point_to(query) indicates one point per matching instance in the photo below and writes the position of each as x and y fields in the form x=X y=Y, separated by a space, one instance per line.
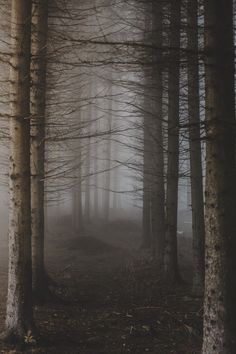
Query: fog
x=116 y=196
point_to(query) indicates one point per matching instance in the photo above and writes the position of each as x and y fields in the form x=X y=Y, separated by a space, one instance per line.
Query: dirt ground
x=110 y=298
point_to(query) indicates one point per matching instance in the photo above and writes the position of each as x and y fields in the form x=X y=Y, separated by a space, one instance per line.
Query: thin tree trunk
x=74 y=211
x=146 y=229
x=107 y=185
x=188 y=179
x=115 y=177
x=220 y=288
x=157 y=173
x=171 y=253
x=87 y=204
x=195 y=149
x=77 y=208
x=87 y=200
x=80 y=220
x=96 y=213
x=96 y=147
x=19 y=316
x=146 y=210
x=115 y=172
x=38 y=104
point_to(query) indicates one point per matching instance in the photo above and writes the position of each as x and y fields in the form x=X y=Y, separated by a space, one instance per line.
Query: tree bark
x=157 y=173
x=171 y=253
x=146 y=230
x=77 y=208
x=107 y=185
x=19 y=316
x=87 y=204
x=146 y=211
x=220 y=268
x=198 y=225
x=38 y=105
x=116 y=170
x=96 y=147
x=80 y=218
x=153 y=158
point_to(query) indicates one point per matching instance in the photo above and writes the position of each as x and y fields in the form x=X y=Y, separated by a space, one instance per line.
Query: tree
x=220 y=288
x=19 y=316
x=146 y=227
x=146 y=211
x=107 y=179
x=153 y=159
x=157 y=163
x=96 y=147
x=171 y=253
x=38 y=105
x=198 y=226
x=77 y=207
x=87 y=202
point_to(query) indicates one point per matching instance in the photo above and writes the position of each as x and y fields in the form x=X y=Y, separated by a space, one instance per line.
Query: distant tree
x=87 y=168
x=77 y=207
x=108 y=150
x=96 y=195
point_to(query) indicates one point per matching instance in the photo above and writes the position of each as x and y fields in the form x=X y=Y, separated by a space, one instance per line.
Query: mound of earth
x=90 y=245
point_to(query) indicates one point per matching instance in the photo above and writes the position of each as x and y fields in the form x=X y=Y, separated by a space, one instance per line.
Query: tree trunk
x=157 y=173
x=80 y=219
x=87 y=204
x=96 y=208
x=198 y=226
x=171 y=253
x=146 y=211
x=96 y=148
x=220 y=288
x=153 y=159
x=77 y=208
x=107 y=185
x=116 y=170
x=38 y=104
x=87 y=184
x=146 y=230
x=19 y=316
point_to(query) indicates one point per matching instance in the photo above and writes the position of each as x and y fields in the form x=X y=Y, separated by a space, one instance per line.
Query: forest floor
x=111 y=298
